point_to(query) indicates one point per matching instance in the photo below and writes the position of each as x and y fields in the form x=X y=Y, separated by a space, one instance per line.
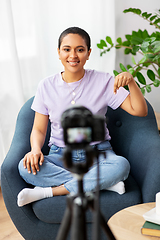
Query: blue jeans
x=113 y=169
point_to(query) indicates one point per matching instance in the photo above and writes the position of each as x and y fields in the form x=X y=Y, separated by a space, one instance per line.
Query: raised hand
x=122 y=80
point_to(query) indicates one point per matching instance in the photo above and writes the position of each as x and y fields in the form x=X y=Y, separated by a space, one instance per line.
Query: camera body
x=80 y=127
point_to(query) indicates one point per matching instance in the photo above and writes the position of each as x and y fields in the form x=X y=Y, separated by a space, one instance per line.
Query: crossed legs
x=53 y=180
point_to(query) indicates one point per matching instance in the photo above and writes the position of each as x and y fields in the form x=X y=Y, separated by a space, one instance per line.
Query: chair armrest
x=19 y=147
x=137 y=139
x=151 y=183
x=145 y=165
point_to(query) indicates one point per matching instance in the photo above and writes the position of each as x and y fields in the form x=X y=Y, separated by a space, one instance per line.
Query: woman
x=92 y=89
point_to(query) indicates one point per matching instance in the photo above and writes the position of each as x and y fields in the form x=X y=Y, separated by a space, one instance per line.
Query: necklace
x=72 y=91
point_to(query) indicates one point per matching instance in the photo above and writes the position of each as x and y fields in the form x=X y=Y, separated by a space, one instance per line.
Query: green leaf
x=145 y=58
x=99 y=46
x=145 y=44
x=128 y=37
x=156 y=83
x=102 y=53
x=135 y=34
x=159 y=71
x=131 y=70
x=152 y=39
x=157 y=57
x=156 y=49
x=136 y=40
x=143 y=91
x=148 y=15
x=126 y=43
x=135 y=49
x=146 y=64
x=156 y=35
x=137 y=11
x=133 y=60
x=129 y=66
x=102 y=44
x=151 y=74
x=144 y=14
x=148 y=88
x=119 y=40
x=127 y=51
x=138 y=69
x=153 y=17
x=145 y=34
x=141 y=78
x=122 y=67
x=156 y=46
x=128 y=10
x=157 y=21
x=109 y=40
x=144 y=49
x=115 y=73
x=133 y=10
x=140 y=33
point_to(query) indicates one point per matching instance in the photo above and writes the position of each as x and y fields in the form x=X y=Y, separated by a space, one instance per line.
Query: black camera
x=80 y=127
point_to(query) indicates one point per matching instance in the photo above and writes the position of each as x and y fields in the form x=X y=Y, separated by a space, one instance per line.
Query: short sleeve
x=115 y=100
x=38 y=104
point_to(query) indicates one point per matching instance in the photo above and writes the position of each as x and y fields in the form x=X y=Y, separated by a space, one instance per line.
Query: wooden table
x=126 y=224
x=158 y=119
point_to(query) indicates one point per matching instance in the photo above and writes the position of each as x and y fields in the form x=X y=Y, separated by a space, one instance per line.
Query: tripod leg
x=96 y=234
x=99 y=216
x=65 y=225
x=78 y=230
x=106 y=228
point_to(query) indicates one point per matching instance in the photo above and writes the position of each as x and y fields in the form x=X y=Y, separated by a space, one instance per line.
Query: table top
x=158 y=119
x=126 y=224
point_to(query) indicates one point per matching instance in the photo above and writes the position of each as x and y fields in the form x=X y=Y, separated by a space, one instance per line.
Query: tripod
x=77 y=204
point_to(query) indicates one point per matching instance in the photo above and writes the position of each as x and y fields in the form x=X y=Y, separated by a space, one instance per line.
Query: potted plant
x=142 y=43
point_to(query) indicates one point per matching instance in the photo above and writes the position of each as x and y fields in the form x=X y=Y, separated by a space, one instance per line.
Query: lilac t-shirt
x=94 y=91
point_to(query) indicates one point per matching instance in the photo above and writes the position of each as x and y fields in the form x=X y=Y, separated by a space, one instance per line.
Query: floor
x=7 y=229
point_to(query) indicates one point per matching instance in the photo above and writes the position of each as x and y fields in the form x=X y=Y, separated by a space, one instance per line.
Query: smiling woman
x=91 y=89
x=73 y=53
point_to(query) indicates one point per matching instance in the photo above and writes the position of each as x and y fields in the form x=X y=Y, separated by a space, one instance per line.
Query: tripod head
x=80 y=128
x=79 y=168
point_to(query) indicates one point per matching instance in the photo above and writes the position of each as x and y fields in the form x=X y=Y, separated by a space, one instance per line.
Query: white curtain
x=29 y=30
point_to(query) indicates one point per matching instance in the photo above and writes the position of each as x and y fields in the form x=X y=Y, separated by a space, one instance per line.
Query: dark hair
x=75 y=30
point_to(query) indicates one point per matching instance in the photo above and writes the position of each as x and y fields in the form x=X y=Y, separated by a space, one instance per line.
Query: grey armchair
x=135 y=138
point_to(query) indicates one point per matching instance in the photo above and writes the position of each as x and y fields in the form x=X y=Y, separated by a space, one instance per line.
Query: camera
x=81 y=127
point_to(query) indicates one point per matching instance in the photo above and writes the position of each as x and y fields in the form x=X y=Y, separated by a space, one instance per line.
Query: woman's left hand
x=122 y=80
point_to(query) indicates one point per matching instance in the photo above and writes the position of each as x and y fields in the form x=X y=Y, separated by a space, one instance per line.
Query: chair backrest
x=122 y=126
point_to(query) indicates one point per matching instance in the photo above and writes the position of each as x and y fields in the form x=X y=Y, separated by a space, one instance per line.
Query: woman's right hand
x=32 y=160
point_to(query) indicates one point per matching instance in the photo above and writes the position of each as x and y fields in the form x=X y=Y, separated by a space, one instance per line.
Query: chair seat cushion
x=51 y=210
